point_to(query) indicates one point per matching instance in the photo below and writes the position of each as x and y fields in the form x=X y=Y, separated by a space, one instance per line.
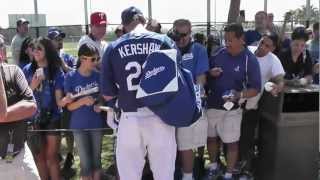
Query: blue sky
x=70 y=12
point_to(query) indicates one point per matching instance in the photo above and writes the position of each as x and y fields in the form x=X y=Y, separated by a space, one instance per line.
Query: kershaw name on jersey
x=137 y=49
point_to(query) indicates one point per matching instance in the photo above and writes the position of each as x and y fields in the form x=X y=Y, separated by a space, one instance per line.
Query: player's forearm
x=249 y=93
x=74 y=105
x=279 y=81
x=201 y=79
x=3 y=100
x=19 y=111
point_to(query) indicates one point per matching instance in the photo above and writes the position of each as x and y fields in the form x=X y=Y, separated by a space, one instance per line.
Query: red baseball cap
x=98 y=18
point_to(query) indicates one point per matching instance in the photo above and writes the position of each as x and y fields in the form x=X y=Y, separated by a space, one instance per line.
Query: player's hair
x=236 y=28
x=273 y=37
x=86 y=50
x=300 y=33
x=262 y=12
x=182 y=22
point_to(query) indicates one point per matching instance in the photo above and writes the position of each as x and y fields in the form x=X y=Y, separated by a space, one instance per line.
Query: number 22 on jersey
x=136 y=74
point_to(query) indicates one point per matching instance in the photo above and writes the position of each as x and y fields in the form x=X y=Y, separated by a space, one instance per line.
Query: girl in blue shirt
x=46 y=78
x=84 y=113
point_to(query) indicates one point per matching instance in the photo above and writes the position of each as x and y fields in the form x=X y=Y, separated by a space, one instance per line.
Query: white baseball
x=303 y=81
x=268 y=86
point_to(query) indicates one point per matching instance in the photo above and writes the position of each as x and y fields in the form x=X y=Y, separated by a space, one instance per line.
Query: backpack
x=168 y=89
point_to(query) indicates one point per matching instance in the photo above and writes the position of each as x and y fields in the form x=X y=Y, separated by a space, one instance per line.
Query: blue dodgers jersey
x=196 y=60
x=159 y=81
x=122 y=65
x=168 y=89
x=234 y=75
x=84 y=117
x=45 y=96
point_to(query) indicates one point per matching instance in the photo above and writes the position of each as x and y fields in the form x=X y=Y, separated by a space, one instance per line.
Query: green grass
x=70 y=48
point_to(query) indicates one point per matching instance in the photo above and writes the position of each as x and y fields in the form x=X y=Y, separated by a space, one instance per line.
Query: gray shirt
x=16 y=44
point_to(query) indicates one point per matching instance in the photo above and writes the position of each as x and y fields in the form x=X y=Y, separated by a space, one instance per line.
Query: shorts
x=193 y=136
x=65 y=119
x=225 y=124
x=36 y=139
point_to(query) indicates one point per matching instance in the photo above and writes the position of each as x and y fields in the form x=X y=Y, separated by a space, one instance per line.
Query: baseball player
x=140 y=131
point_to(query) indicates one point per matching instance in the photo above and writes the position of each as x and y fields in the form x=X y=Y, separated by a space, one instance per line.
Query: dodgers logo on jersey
x=154 y=72
x=237 y=69
x=187 y=56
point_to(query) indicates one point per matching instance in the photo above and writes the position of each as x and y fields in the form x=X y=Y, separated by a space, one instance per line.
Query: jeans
x=88 y=144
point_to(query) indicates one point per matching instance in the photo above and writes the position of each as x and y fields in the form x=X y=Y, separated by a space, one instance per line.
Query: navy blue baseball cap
x=54 y=32
x=127 y=15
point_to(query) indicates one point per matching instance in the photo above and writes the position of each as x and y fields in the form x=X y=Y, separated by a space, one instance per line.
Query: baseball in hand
x=268 y=86
x=303 y=81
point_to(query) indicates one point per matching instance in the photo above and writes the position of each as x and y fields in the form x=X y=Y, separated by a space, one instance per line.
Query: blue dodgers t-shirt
x=196 y=60
x=45 y=94
x=233 y=75
x=122 y=65
x=84 y=117
x=252 y=37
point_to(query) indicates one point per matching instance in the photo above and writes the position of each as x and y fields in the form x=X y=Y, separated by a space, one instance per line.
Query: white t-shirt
x=101 y=45
x=270 y=66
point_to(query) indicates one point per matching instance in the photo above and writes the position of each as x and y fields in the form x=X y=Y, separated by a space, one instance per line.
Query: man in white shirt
x=271 y=70
x=98 y=25
x=22 y=31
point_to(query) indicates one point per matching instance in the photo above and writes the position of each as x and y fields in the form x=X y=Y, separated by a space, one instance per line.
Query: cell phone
x=40 y=72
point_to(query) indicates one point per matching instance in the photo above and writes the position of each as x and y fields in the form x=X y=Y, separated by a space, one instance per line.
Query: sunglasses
x=177 y=36
x=37 y=48
x=92 y=59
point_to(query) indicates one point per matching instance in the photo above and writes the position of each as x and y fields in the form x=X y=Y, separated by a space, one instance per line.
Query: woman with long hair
x=46 y=78
x=85 y=113
x=26 y=52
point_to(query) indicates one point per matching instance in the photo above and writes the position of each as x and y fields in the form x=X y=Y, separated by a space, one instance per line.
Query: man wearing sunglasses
x=57 y=36
x=195 y=59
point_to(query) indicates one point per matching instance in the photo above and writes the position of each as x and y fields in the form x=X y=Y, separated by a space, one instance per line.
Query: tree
x=234 y=10
x=299 y=15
